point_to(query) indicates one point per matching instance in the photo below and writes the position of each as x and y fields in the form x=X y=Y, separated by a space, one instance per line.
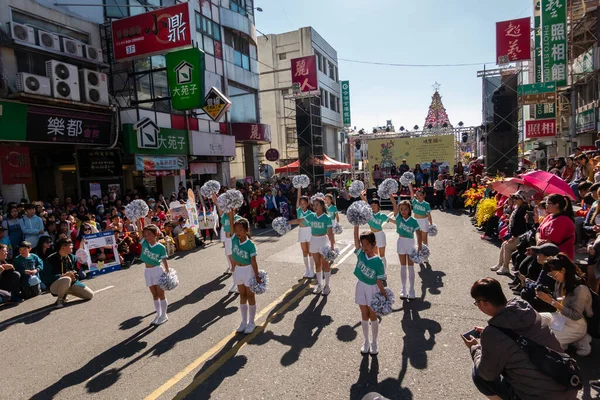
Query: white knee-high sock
x=228 y=261
x=251 y=314
x=327 y=277
x=384 y=264
x=311 y=260
x=374 y=331
x=157 y=306
x=306 y=264
x=365 y=329
x=403 y=276
x=244 y=311
x=411 y=277
x=320 y=278
x=163 y=307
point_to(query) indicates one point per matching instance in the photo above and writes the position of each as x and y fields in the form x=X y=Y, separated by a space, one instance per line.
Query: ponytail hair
x=564 y=204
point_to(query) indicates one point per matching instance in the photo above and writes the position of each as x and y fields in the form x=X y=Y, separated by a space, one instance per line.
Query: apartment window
x=208 y=27
x=333 y=102
x=33 y=63
x=331 y=72
x=151 y=84
x=324 y=98
x=319 y=60
x=337 y=76
x=243 y=7
x=282 y=56
x=241 y=47
x=116 y=12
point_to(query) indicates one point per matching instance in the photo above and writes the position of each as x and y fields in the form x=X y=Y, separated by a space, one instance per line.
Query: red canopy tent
x=329 y=163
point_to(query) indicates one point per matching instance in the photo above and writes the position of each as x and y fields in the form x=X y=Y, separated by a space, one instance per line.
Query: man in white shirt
x=438 y=187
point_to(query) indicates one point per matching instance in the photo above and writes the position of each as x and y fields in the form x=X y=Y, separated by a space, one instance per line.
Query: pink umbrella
x=548 y=183
x=508 y=186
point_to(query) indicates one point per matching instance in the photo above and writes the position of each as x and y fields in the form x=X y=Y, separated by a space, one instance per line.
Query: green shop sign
x=185 y=72
x=346 y=103
x=554 y=41
x=585 y=121
x=145 y=137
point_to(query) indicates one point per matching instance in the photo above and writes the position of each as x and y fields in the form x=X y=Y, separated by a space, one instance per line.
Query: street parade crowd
x=546 y=224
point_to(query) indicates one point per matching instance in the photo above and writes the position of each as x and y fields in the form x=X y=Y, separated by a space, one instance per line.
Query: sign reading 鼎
x=554 y=41
x=185 y=73
x=153 y=32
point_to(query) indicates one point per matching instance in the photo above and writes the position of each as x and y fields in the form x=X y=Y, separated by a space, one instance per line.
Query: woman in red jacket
x=558 y=227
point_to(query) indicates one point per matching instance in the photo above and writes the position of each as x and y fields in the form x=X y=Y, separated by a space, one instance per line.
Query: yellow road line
x=216 y=348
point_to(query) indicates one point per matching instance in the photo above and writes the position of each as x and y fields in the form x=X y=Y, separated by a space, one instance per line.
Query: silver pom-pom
x=407 y=178
x=317 y=195
x=359 y=213
x=381 y=304
x=169 y=281
x=136 y=210
x=209 y=188
x=337 y=228
x=416 y=256
x=259 y=288
x=231 y=199
x=281 y=226
x=356 y=188
x=387 y=188
x=425 y=252
x=300 y=181
x=433 y=230
x=330 y=254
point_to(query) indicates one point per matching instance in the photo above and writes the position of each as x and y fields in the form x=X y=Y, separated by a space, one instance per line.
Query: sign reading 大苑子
x=185 y=73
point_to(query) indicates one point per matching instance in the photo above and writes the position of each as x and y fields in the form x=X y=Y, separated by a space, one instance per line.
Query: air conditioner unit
x=92 y=53
x=22 y=32
x=64 y=80
x=94 y=86
x=48 y=40
x=72 y=47
x=35 y=84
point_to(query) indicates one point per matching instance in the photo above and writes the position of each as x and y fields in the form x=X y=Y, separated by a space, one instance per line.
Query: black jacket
x=517 y=224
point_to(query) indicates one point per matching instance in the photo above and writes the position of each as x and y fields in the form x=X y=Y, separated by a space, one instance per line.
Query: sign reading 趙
x=513 y=40
x=185 y=73
x=153 y=32
x=346 y=103
x=304 y=74
x=540 y=128
x=554 y=41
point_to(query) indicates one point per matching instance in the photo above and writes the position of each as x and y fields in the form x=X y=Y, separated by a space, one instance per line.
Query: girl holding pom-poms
x=370 y=273
x=332 y=210
x=406 y=227
x=421 y=210
x=304 y=234
x=376 y=224
x=226 y=226
x=244 y=268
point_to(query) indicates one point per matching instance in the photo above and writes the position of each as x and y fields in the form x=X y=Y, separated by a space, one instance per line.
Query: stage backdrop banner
x=384 y=152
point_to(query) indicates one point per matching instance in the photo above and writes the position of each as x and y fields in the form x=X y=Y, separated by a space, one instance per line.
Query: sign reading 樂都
x=346 y=103
x=540 y=128
x=216 y=104
x=185 y=73
x=153 y=32
x=304 y=73
x=554 y=41
x=513 y=40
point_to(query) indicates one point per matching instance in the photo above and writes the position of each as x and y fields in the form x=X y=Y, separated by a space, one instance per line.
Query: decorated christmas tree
x=437 y=116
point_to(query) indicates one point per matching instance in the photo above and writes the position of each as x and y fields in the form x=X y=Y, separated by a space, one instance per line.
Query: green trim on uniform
x=318 y=224
x=378 y=220
x=406 y=227
x=368 y=270
x=242 y=253
x=420 y=208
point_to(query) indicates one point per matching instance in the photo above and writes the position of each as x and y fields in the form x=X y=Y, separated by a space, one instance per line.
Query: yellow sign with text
x=388 y=152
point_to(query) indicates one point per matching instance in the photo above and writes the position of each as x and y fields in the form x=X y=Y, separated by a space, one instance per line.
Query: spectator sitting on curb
x=29 y=266
x=10 y=280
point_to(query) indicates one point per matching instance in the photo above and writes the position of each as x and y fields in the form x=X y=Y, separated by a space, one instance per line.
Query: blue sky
x=406 y=32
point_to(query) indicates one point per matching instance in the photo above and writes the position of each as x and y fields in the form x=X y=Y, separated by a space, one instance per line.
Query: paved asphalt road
x=306 y=348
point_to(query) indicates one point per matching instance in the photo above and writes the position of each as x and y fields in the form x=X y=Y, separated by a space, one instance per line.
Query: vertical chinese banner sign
x=346 y=103
x=513 y=42
x=541 y=110
x=185 y=73
x=304 y=73
x=554 y=41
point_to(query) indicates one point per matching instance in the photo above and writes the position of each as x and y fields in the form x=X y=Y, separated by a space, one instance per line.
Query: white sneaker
x=318 y=289
x=310 y=274
x=503 y=271
x=365 y=348
x=374 y=351
x=495 y=268
x=249 y=328
x=233 y=288
x=403 y=294
x=411 y=294
x=155 y=319
x=242 y=327
x=228 y=271
x=326 y=290
x=161 y=320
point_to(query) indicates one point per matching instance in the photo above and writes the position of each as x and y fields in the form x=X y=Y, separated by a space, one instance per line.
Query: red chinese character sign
x=15 y=165
x=153 y=32
x=540 y=128
x=513 y=41
x=304 y=74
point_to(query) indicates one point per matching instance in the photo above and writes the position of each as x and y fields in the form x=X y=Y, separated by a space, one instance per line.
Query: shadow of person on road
x=367 y=378
x=430 y=280
x=39 y=314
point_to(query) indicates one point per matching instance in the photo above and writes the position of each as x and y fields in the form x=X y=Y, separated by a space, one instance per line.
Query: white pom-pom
x=300 y=181
x=317 y=195
x=337 y=228
x=359 y=213
x=407 y=178
x=281 y=226
x=425 y=252
x=356 y=188
x=230 y=200
x=169 y=281
x=416 y=256
x=433 y=230
x=136 y=210
x=387 y=188
x=330 y=254
x=209 y=188
x=259 y=288
x=382 y=305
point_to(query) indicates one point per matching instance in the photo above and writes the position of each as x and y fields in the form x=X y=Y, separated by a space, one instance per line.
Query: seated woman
x=572 y=299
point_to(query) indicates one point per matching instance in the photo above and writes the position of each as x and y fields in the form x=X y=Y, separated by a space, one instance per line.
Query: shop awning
x=329 y=163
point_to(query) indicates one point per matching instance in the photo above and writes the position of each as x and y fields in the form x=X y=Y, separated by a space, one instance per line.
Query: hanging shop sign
x=146 y=137
x=585 y=121
x=554 y=41
x=203 y=168
x=513 y=41
x=304 y=74
x=185 y=73
x=547 y=110
x=212 y=144
x=151 y=163
x=15 y=164
x=584 y=64
x=537 y=93
x=216 y=104
x=99 y=163
x=272 y=155
x=154 y=32
x=346 y=103
x=248 y=132
x=540 y=128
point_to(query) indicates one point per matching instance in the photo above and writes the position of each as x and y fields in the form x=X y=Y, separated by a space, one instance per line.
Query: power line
x=414 y=65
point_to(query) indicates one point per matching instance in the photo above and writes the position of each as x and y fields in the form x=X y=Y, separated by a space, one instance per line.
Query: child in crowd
x=153 y=254
x=406 y=226
x=29 y=266
x=6 y=241
x=450 y=194
x=332 y=210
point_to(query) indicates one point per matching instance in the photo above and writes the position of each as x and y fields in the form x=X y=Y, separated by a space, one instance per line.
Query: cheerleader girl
x=370 y=273
x=332 y=210
x=406 y=226
x=226 y=238
x=304 y=234
x=421 y=210
x=321 y=235
x=376 y=224
x=153 y=254
x=244 y=268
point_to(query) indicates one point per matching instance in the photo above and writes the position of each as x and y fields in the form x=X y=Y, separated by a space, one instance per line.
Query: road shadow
x=431 y=281
x=368 y=376
x=38 y=314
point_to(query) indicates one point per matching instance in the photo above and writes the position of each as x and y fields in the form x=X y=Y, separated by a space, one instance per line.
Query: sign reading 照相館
x=554 y=41
x=185 y=73
x=345 y=85
x=546 y=110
